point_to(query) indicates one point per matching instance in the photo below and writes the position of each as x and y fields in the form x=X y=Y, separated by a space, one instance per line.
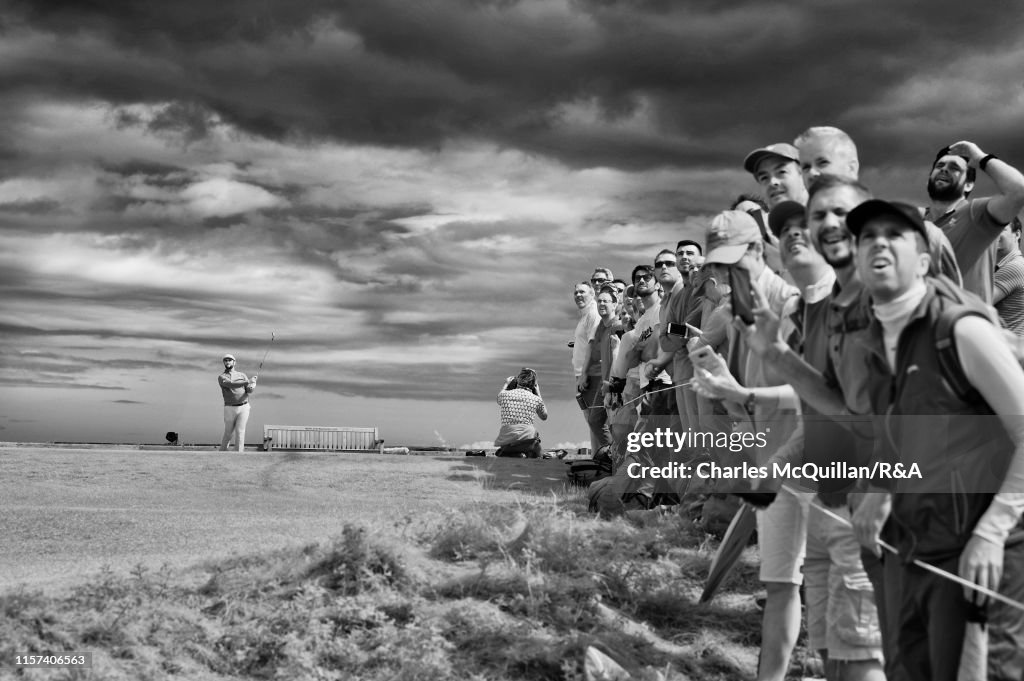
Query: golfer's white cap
x=228 y=356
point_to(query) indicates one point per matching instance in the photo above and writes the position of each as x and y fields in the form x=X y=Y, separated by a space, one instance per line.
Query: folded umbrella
x=736 y=538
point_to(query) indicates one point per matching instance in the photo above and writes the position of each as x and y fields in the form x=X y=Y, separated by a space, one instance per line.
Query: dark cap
x=787 y=152
x=779 y=215
x=875 y=208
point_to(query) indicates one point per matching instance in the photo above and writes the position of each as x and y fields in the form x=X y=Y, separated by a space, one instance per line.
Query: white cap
x=228 y=356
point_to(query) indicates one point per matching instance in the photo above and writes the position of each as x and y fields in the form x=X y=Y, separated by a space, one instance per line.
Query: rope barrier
x=995 y=595
x=642 y=395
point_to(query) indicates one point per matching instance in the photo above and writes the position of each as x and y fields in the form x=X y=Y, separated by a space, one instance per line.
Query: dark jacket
x=960 y=447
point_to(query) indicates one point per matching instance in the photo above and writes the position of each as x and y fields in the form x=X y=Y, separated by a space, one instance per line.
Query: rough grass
x=486 y=591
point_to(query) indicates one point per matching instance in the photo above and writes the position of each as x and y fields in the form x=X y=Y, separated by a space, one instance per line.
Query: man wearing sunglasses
x=666 y=268
x=645 y=285
x=600 y=277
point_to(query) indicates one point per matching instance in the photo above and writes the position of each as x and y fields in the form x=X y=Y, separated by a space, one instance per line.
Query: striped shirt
x=1009 y=291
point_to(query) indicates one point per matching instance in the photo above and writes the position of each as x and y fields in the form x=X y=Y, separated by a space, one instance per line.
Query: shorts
x=782 y=537
x=841 y=613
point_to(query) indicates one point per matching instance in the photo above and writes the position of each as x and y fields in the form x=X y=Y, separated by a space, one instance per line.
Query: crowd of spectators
x=879 y=332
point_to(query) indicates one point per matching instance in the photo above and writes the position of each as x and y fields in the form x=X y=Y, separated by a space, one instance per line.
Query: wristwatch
x=750 y=403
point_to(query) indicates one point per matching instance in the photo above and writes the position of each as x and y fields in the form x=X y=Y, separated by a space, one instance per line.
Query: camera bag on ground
x=582 y=472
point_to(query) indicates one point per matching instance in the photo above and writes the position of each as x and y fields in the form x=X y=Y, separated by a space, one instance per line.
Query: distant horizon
x=571 y=447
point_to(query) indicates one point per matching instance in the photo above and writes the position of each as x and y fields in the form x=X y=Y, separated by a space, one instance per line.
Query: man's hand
x=869 y=518
x=651 y=371
x=695 y=342
x=713 y=387
x=969 y=149
x=581 y=383
x=981 y=563
x=612 y=400
x=763 y=335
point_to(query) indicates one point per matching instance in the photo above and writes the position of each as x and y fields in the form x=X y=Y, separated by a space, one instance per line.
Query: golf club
x=266 y=353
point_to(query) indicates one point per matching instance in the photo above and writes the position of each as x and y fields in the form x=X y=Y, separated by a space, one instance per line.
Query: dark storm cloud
x=31 y=207
x=712 y=82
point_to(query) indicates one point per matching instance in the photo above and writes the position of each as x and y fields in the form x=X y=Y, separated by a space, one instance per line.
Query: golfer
x=236 y=388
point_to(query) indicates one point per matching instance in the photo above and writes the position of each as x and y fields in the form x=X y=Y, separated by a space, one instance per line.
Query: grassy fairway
x=69 y=512
x=315 y=566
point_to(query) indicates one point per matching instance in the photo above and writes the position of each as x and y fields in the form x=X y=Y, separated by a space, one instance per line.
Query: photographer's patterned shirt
x=519 y=406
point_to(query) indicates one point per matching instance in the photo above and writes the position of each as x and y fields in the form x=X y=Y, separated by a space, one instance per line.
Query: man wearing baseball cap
x=769 y=407
x=235 y=388
x=961 y=425
x=776 y=169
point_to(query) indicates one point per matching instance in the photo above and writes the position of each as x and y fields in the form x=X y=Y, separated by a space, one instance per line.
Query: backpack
x=582 y=472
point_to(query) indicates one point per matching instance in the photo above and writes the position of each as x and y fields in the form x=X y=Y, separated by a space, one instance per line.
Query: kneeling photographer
x=520 y=401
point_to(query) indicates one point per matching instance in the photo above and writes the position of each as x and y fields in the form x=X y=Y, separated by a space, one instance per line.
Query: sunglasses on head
x=665 y=263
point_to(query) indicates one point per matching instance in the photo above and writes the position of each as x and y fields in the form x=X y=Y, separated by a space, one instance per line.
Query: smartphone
x=674 y=329
x=709 y=360
x=741 y=298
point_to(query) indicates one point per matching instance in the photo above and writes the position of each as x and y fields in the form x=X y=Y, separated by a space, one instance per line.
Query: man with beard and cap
x=235 y=388
x=766 y=405
x=973 y=225
x=583 y=296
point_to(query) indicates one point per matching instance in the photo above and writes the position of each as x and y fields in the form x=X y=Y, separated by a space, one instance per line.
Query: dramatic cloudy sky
x=405 y=191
